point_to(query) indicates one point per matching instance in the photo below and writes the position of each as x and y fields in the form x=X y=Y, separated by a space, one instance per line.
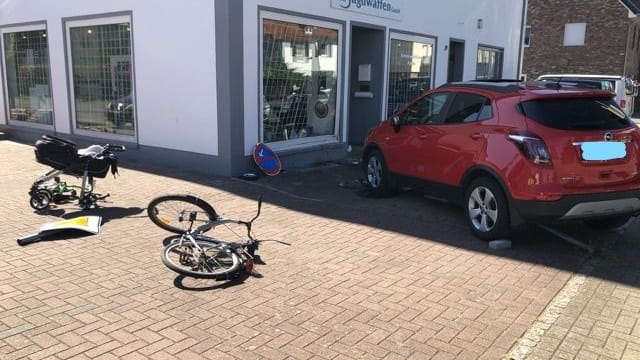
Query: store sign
x=390 y=9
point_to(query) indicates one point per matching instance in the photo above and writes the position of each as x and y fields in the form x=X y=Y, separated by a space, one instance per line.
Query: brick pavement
x=364 y=278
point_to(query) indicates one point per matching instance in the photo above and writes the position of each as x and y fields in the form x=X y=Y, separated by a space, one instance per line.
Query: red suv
x=511 y=153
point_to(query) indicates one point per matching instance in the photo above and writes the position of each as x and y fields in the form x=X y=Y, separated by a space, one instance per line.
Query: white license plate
x=603 y=150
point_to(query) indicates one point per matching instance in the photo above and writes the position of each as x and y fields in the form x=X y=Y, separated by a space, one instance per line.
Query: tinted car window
x=577 y=114
x=426 y=110
x=468 y=108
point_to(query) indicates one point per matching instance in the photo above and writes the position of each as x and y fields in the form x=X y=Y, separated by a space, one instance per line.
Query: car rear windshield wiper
x=613 y=110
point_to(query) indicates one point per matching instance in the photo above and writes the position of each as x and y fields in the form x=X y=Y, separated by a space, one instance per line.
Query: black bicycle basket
x=55 y=152
x=63 y=155
x=98 y=167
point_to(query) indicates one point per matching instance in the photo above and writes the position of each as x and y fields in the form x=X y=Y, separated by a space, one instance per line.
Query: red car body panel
x=446 y=153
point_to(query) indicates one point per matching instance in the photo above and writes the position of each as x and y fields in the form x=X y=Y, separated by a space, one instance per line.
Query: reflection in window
x=409 y=72
x=28 y=83
x=102 y=78
x=426 y=110
x=468 y=108
x=300 y=68
x=489 y=64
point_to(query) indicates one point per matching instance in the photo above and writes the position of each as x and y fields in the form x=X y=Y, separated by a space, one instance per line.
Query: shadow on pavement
x=334 y=190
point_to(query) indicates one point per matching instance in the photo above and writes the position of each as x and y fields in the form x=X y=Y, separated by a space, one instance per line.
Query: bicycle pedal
x=101 y=197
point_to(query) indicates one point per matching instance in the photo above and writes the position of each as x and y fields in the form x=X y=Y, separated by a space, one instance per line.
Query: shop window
x=27 y=82
x=574 y=34
x=489 y=65
x=299 y=97
x=410 y=69
x=102 y=75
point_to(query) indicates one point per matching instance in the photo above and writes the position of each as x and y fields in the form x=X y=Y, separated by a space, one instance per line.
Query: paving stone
x=363 y=278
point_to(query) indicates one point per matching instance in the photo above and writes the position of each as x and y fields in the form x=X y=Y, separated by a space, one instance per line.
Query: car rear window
x=576 y=113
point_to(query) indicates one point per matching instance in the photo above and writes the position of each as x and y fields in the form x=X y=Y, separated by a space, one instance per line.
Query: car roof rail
x=559 y=84
x=497 y=85
x=498 y=80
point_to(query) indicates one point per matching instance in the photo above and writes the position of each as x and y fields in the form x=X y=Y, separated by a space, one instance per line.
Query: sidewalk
x=364 y=278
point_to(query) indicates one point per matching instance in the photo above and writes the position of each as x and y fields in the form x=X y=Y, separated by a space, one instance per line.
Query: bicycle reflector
x=248 y=266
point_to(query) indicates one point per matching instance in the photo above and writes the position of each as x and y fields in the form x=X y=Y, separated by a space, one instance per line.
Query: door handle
x=476 y=136
x=421 y=134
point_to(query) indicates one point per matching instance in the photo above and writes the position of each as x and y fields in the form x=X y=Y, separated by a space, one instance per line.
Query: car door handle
x=476 y=136
x=422 y=135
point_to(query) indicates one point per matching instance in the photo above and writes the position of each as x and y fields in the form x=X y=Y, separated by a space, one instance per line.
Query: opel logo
x=608 y=136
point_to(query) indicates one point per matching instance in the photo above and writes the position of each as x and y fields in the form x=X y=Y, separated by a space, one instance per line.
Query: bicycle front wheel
x=206 y=260
x=175 y=212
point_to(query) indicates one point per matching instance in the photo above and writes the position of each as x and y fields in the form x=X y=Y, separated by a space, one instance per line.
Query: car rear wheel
x=377 y=173
x=608 y=223
x=487 y=210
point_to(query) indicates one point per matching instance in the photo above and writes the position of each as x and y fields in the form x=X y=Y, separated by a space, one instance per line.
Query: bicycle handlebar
x=115 y=147
x=221 y=220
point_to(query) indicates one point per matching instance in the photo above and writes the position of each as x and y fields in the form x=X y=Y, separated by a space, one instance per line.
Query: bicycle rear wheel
x=174 y=212
x=208 y=260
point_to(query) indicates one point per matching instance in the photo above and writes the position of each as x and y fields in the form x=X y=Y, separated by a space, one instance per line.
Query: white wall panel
x=174 y=55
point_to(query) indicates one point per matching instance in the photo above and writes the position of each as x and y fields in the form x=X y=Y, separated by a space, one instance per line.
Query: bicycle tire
x=168 y=212
x=40 y=200
x=218 y=262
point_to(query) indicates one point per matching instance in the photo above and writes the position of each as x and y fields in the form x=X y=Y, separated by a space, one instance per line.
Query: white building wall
x=501 y=22
x=174 y=65
x=174 y=55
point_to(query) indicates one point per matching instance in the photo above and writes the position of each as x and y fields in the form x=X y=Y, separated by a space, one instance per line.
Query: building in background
x=197 y=84
x=582 y=37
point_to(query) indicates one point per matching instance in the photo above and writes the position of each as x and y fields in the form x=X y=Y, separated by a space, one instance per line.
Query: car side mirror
x=395 y=122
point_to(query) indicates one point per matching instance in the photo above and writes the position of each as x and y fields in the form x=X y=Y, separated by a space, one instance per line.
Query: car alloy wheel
x=483 y=209
x=374 y=172
x=487 y=209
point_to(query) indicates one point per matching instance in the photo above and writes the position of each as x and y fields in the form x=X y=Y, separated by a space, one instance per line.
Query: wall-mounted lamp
x=480 y=23
x=446 y=47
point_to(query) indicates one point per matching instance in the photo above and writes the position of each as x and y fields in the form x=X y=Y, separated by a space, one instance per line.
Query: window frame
x=39 y=26
x=97 y=21
x=311 y=140
x=423 y=39
x=526 y=36
x=493 y=49
x=581 y=27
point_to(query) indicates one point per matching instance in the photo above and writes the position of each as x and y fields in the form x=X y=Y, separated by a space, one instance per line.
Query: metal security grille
x=300 y=67
x=409 y=72
x=102 y=78
x=28 y=83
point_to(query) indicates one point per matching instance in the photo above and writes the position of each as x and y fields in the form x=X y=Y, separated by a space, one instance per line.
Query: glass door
x=410 y=69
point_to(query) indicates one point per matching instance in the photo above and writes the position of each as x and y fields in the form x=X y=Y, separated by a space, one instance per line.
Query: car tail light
x=532 y=147
x=623 y=103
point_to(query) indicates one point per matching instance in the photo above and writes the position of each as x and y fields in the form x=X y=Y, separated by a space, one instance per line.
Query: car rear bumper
x=579 y=207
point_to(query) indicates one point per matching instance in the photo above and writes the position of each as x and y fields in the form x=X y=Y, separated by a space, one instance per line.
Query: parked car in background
x=625 y=88
x=120 y=111
x=511 y=153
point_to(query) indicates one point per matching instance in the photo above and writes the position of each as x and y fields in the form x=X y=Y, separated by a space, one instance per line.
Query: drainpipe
x=626 y=47
x=523 y=23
